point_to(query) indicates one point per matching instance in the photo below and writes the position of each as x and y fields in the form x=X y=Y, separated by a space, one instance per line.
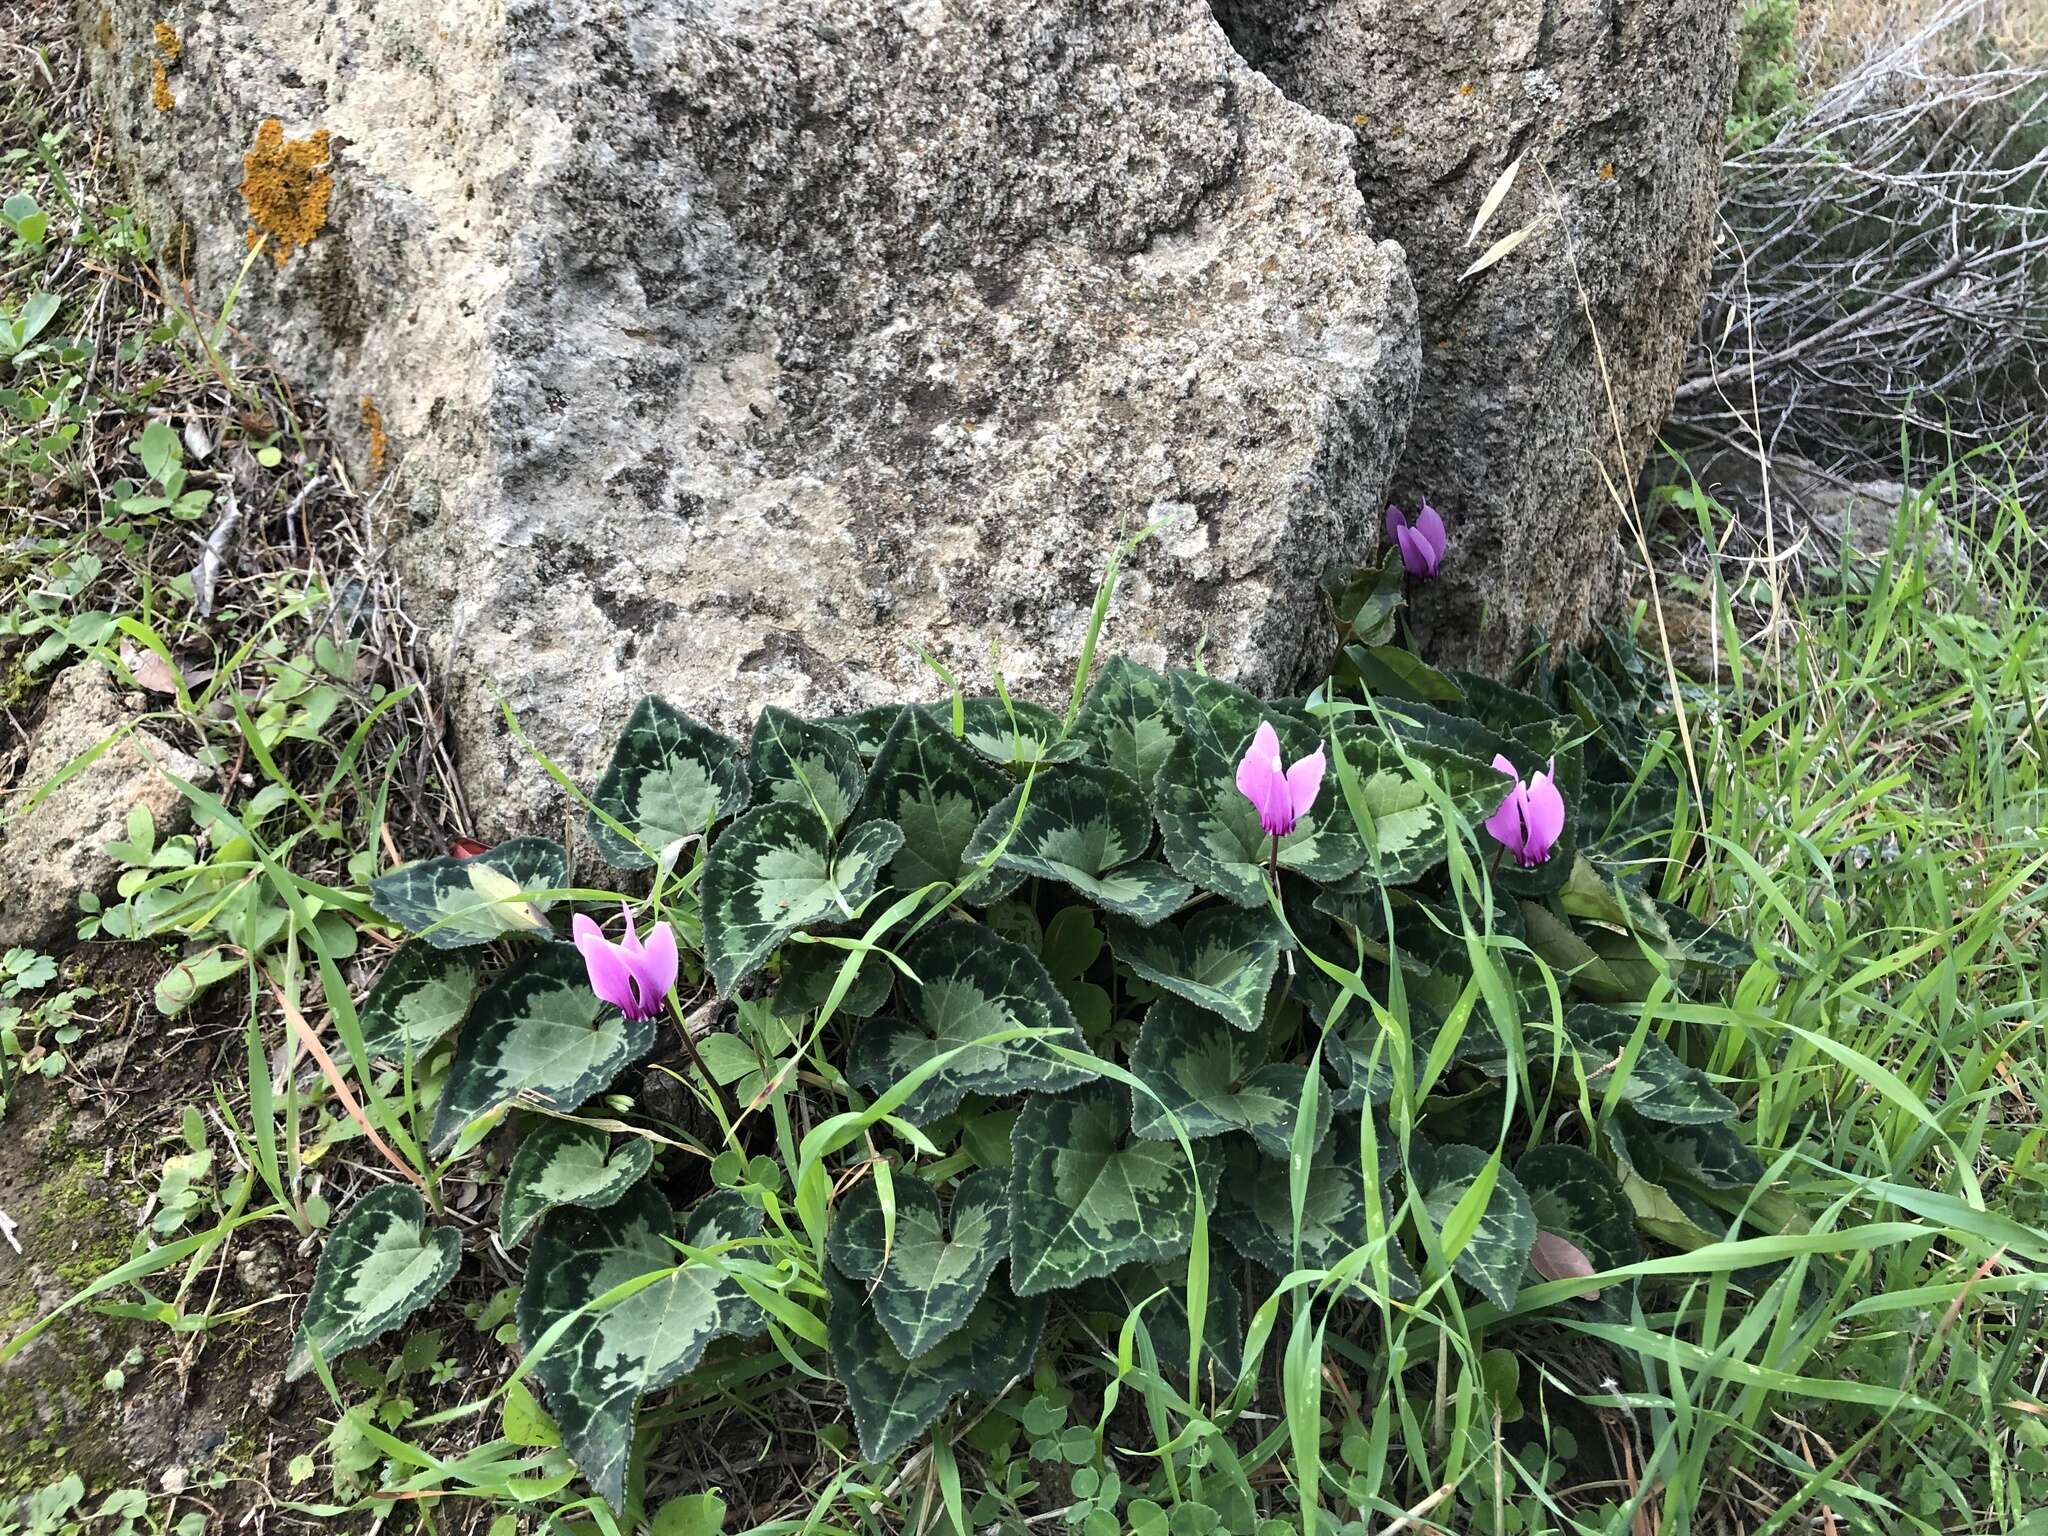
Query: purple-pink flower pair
x=1531 y=817
x=633 y=976
x=1282 y=796
x=1422 y=546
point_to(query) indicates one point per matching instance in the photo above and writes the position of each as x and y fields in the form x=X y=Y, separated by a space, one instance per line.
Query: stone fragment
x=52 y=849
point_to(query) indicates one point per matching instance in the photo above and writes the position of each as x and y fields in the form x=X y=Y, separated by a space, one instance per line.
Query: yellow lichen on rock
x=168 y=46
x=285 y=186
x=380 y=440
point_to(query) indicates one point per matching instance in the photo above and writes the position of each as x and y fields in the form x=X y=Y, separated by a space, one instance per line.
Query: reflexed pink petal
x=1508 y=824
x=658 y=965
x=609 y=977
x=1305 y=782
x=1414 y=557
x=1502 y=765
x=1261 y=780
x=1397 y=522
x=1430 y=529
x=1554 y=1258
x=1546 y=814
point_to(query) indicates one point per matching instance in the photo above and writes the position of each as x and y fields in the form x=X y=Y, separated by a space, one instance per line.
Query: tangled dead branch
x=1882 y=277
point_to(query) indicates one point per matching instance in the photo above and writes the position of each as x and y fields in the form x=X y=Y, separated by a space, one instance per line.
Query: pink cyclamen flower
x=1422 y=547
x=633 y=976
x=1531 y=817
x=1282 y=797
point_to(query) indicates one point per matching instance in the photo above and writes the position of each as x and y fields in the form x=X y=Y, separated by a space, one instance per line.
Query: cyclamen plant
x=1072 y=990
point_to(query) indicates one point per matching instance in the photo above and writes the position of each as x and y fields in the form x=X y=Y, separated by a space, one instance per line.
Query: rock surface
x=54 y=848
x=1616 y=112
x=735 y=352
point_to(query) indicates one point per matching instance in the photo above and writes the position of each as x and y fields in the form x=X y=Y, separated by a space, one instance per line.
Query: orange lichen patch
x=1465 y=89
x=168 y=43
x=285 y=188
x=160 y=86
x=1607 y=171
x=380 y=441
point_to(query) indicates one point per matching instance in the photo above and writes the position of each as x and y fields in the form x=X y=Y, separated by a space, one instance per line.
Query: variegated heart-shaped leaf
x=971 y=984
x=450 y=902
x=1214 y=1080
x=925 y=1277
x=1256 y=1209
x=595 y=1373
x=1088 y=1195
x=1661 y=1086
x=1016 y=734
x=869 y=728
x=1495 y=1257
x=1575 y=1198
x=1163 y=1290
x=539 y=1033
x=1212 y=832
x=1223 y=959
x=805 y=763
x=423 y=994
x=776 y=870
x=379 y=1265
x=1085 y=827
x=563 y=1162
x=894 y=1400
x=936 y=789
x=669 y=778
x=1128 y=718
x=810 y=971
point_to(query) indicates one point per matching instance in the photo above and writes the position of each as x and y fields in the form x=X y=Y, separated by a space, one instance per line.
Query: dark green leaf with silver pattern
x=805 y=763
x=423 y=994
x=936 y=789
x=1493 y=1261
x=1088 y=1196
x=776 y=870
x=537 y=1032
x=1215 y=1080
x=970 y=984
x=895 y=1400
x=379 y=1265
x=451 y=902
x=595 y=1374
x=924 y=1279
x=563 y=1162
x=669 y=778
x=1017 y=734
x=1223 y=959
x=1128 y=718
x=1086 y=828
